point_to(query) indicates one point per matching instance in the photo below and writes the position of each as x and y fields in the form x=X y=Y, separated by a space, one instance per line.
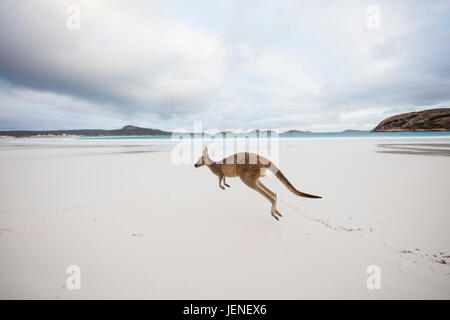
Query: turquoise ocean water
x=303 y=135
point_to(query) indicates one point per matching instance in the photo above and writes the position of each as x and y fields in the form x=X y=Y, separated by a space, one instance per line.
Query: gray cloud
x=279 y=64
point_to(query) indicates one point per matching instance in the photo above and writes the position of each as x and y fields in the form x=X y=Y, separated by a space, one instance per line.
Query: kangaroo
x=249 y=167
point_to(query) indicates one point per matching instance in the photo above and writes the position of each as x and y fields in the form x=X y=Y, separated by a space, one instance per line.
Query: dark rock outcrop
x=427 y=120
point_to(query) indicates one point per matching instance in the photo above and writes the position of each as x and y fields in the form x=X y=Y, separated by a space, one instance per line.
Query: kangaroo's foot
x=227 y=185
x=276 y=214
x=222 y=187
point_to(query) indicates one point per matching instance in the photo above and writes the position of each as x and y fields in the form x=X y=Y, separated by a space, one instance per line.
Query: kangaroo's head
x=203 y=159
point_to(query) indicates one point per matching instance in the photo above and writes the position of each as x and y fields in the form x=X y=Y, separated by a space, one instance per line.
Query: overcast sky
x=311 y=65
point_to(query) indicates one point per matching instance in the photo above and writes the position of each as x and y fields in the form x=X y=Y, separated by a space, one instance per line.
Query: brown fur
x=249 y=167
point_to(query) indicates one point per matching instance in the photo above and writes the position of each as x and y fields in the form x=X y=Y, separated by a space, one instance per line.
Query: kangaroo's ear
x=205 y=151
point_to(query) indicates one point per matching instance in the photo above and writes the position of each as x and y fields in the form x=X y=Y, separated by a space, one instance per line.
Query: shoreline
x=345 y=133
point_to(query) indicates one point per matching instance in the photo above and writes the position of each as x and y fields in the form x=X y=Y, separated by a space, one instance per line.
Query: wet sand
x=429 y=149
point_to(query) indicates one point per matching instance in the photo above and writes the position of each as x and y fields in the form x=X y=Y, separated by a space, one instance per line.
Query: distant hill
x=294 y=132
x=125 y=131
x=427 y=120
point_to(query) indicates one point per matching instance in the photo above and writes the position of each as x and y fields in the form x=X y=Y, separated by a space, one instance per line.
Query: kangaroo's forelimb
x=222 y=178
x=220 y=182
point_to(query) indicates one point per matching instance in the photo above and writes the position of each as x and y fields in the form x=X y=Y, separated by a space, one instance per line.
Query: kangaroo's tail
x=288 y=185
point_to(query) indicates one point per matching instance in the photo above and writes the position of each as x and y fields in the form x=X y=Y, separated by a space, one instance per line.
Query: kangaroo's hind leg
x=225 y=184
x=274 y=196
x=252 y=183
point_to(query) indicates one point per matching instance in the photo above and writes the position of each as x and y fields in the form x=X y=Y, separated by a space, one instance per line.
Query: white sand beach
x=139 y=226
